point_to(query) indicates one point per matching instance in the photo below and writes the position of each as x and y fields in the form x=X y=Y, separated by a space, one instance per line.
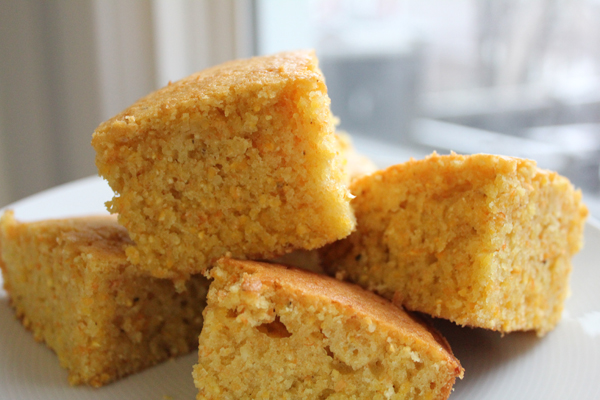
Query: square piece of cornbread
x=240 y=158
x=480 y=240
x=274 y=332
x=72 y=286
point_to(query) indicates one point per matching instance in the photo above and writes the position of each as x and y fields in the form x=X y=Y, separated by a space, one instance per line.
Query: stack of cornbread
x=239 y=164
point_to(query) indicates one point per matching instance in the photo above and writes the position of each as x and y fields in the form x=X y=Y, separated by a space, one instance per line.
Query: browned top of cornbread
x=442 y=168
x=213 y=85
x=460 y=172
x=355 y=299
x=435 y=168
x=99 y=236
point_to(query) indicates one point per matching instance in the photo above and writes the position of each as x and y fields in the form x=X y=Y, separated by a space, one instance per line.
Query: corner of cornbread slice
x=240 y=158
x=274 y=332
x=72 y=286
x=481 y=240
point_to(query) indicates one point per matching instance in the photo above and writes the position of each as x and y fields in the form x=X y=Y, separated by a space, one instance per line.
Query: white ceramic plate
x=563 y=365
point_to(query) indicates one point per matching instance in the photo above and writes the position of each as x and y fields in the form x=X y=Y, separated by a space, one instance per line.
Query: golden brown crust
x=99 y=235
x=356 y=300
x=210 y=87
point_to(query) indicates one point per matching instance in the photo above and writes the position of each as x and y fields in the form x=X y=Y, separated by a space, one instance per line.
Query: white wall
x=193 y=35
x=125 y=53
x=25 y=100
x=66 y=66
x=5 y=194
x=284 y=25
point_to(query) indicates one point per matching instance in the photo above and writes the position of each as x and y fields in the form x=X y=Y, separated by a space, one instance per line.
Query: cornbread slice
x=481 y=240
x=273 y=332
x=240 y=158
x=71 y=285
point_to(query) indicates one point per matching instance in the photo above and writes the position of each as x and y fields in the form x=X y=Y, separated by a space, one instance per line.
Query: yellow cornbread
x=355 y=166
x=72 y=286
x=481 y=240
x=240 y=158
x=273 y=332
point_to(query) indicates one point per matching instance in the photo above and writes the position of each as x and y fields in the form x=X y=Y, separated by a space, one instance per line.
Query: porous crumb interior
x=240 y=158
x=72 y=286
x=481 y=240
x=356 y=165
x=266 y=339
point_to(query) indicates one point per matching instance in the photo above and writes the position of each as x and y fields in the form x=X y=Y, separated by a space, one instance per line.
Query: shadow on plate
x=481 y=351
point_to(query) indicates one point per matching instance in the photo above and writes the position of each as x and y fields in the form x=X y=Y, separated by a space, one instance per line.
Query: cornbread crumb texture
x=356 y=165
x=239 y=158
x=273 y=332
x=481 y=240
x=72 y=286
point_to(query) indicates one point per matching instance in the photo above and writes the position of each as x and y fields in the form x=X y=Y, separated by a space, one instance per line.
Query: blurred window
x=514 y=77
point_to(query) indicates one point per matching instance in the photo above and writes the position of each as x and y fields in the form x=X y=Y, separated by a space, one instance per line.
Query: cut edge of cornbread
x=71 y=285
x=278 y=332
x=240 y=158
x=355 y=165
x=482 y=240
